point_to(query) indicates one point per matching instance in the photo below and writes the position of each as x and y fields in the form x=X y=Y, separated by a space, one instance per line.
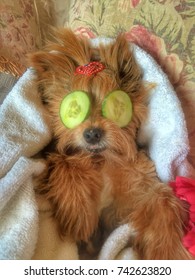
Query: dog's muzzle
x=93 y=138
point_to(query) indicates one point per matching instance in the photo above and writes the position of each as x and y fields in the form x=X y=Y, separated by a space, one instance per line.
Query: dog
x=97 y=173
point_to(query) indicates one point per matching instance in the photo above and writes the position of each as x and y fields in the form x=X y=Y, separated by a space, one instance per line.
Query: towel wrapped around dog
x=25 y=132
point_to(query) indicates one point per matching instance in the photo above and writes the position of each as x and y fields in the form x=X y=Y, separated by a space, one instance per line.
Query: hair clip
x=90 y=68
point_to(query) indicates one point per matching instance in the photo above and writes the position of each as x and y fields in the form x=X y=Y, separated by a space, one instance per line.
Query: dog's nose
x=93 y=135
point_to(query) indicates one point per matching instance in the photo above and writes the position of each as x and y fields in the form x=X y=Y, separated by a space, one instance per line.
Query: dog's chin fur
x=112 y=180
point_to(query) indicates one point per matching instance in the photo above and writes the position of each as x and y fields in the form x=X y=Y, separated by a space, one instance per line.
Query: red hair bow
x=90 y=69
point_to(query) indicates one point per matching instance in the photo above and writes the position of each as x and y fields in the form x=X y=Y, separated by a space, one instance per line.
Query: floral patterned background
x=164 y=28
x=20 y=32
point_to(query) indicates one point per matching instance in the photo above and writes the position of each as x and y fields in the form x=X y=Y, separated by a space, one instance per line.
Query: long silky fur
x=76 y=181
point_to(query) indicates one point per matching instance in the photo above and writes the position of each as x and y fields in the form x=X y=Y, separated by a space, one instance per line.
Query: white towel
x=18 y=210
x=116 y=245
x=164 y=132
x=24 y=132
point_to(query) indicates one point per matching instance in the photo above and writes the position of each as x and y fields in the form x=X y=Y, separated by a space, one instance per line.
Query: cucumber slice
x=117 y=107
x=74 y=108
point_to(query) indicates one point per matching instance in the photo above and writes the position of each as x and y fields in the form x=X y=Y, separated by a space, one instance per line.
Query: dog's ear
x=41 y=62
x=50 y=63
x=119 y=57
x=64 y=53
x=129 y=72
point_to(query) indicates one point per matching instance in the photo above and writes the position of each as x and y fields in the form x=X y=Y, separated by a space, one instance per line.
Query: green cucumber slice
x=74 y=108
x=117 y=107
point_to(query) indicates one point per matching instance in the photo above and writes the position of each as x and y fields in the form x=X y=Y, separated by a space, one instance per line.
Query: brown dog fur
x=118 y=182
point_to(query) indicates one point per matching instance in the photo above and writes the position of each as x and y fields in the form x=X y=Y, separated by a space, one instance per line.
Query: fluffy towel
x=115 y=244
x=164 y=132
x=24 y=132
x=7 y=82
x=49 y=245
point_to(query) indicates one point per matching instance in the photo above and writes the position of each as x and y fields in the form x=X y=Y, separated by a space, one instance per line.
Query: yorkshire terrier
x=96 y=102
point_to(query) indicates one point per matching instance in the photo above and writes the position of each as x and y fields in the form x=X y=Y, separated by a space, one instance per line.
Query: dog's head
x=94 y=95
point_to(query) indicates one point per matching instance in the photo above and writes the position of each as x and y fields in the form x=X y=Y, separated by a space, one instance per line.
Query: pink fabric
x=185 y=190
